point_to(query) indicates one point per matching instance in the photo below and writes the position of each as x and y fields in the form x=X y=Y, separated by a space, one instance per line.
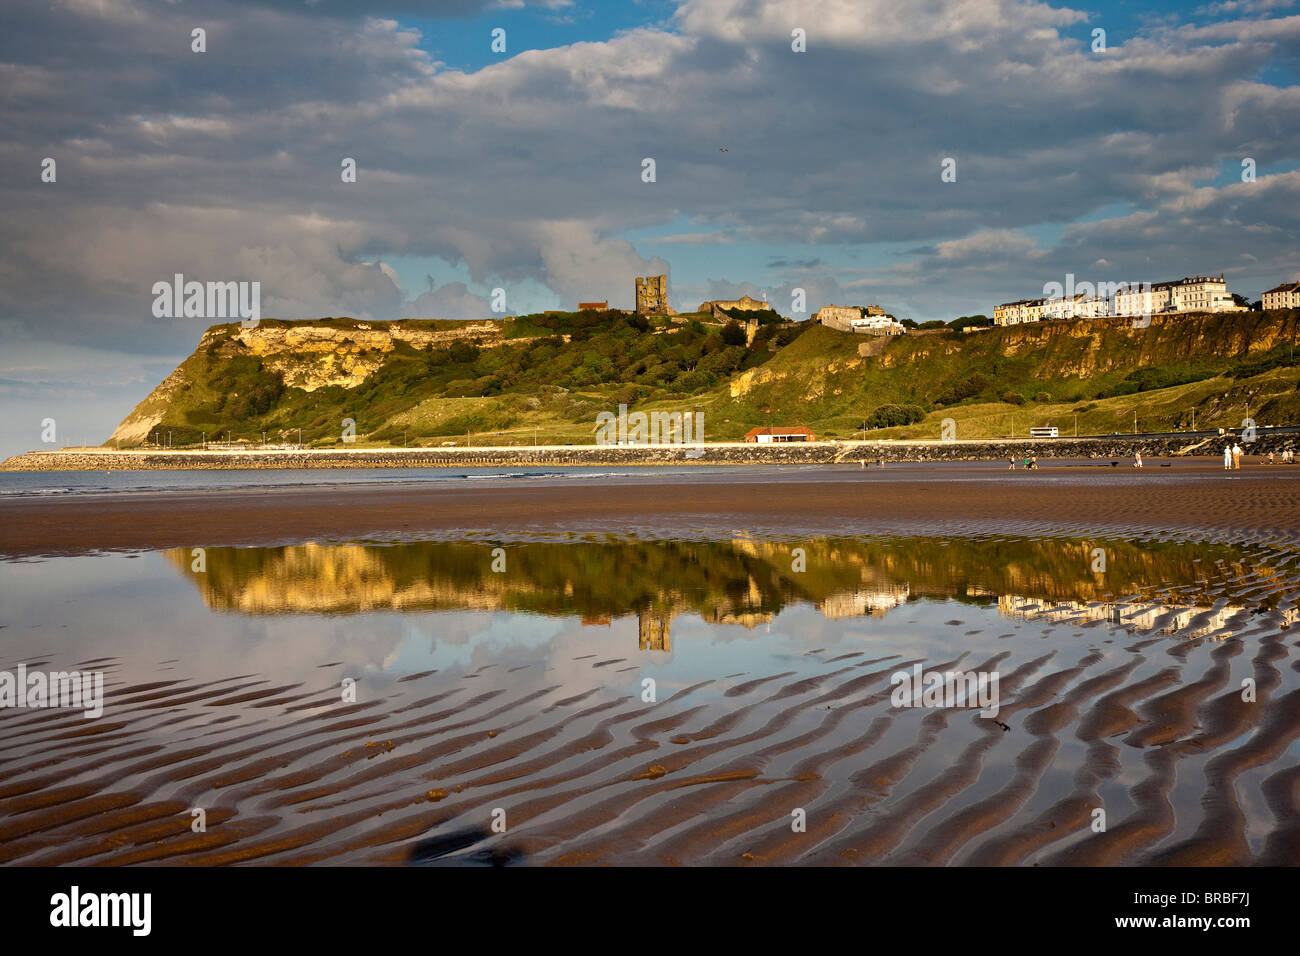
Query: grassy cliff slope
x=545 y=378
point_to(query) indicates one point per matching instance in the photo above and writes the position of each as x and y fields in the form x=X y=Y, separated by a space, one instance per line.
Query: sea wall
x=1118 y=447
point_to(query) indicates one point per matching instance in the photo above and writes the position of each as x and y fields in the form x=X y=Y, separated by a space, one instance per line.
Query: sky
x=1117 y=157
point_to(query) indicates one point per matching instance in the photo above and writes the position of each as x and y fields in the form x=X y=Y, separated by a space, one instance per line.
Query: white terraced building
x=1285 y=296
x=1190 y=294
x=1022 y=310
x=1076 y=307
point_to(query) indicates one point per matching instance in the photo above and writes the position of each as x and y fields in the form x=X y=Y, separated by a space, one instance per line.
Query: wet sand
x=710 y=774
x=1261 y=503
x=1149 y=724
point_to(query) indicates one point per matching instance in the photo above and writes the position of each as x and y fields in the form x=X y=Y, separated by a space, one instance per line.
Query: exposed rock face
x=743 y=383
x=1167 y=337
x=308 y=356
x=313 y=356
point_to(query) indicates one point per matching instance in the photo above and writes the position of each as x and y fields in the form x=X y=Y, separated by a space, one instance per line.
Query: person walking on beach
x=1137 y=459
x=1236 y=456
x=1227 y=458
x=1012 y=466
x=1270 y=458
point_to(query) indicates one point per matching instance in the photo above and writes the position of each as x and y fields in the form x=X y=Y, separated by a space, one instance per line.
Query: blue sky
x=465 y=43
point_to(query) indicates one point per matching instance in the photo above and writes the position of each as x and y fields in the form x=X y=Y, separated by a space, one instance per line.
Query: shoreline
x=1121 y=447
x=1254 y=506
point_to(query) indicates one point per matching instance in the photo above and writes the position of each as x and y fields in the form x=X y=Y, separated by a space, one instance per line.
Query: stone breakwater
x=1115 y=448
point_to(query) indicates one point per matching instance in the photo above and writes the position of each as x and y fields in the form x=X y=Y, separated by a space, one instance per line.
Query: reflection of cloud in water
x=109 y=604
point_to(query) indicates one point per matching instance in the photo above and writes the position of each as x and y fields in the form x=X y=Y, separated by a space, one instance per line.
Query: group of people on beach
x=1231 y=458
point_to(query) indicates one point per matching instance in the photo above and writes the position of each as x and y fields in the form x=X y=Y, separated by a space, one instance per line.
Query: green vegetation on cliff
x=546 y=377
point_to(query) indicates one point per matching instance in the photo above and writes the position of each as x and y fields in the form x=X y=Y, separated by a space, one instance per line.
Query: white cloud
x=450 y=301
x=986 y=245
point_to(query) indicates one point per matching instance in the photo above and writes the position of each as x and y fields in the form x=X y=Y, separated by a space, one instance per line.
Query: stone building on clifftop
x=652 y=295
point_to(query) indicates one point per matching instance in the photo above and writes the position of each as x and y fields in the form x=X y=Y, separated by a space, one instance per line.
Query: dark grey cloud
x=781 y=262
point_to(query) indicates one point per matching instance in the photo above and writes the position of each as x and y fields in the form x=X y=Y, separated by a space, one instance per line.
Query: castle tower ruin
x=652 y=295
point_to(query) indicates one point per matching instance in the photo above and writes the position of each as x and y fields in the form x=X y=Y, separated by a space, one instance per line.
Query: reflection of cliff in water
x=743 y=582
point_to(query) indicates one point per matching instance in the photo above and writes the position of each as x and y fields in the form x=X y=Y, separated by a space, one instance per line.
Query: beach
x=455 y=674
x=1188 y=496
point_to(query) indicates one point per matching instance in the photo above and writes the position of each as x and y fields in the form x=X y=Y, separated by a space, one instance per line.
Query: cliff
x=544 y=379
x=305 y=355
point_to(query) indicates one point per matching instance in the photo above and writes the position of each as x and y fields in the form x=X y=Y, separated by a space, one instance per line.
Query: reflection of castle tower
x=653 y=628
